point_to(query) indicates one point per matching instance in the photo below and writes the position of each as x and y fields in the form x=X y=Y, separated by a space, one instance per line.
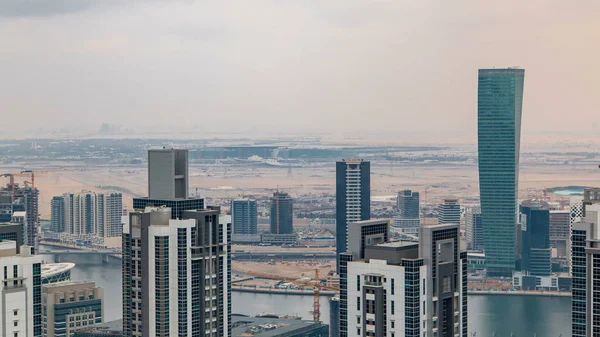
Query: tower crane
x=315 y=283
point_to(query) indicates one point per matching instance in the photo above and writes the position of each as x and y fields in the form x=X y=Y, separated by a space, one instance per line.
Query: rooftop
x=51 y=269
x=397 y=244
x=268 y=327
x=69 y=284
x=112 y=328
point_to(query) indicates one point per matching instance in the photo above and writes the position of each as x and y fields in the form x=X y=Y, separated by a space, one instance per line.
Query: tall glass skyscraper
x=352 y=197
x=500 y=96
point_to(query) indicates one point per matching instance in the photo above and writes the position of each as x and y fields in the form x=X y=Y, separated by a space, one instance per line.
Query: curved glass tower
x=500 y=96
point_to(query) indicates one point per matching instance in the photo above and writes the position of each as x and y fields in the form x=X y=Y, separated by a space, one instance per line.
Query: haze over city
x=275 y=168
x=400 y=68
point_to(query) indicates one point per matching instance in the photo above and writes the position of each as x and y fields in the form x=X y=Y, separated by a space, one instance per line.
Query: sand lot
x=292 y=269
x=433 y=181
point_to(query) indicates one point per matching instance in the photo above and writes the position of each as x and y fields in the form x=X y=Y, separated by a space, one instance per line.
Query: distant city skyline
x=163 y=66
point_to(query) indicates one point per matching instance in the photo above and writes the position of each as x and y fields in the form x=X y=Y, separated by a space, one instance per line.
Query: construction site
x=20 y=204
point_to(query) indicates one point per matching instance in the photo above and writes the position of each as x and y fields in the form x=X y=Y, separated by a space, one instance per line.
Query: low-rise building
x=274 y=326
x=108 y=329
x=71 y=305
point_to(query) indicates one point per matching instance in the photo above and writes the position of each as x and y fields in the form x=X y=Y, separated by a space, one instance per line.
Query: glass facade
x=344 y=259
x=535 y=233
x=412 y=299
x=177 y=205
x=579 y=292
x=282 y=214
x=244 y=217
x=408 y=204
x=500 y=95
x=463 y=258
x=60 y=277
x=37 y=299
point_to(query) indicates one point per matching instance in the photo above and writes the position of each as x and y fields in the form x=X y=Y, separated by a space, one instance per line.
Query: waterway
x=522 y=315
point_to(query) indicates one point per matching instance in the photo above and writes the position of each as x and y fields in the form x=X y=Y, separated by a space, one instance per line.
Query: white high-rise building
x=21 y=305
x=175 y=275
x=407 y=289
x=474 y=228
x=449 y=212
x=98 y=214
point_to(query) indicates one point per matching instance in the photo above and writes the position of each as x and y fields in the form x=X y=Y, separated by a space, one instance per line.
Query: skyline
x=339 y=67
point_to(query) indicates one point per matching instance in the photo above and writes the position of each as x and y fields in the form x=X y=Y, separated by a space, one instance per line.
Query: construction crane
x=30 y=174
x=315 y=283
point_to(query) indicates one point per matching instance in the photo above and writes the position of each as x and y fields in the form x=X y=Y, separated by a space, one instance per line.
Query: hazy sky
x=404 y=66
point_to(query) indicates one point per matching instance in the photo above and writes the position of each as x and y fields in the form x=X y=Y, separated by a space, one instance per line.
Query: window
x=15 y=271
x=358 y=303
x=393 y=324
x=15 y=312
x=423 y=307
x=424 y=286
x=357 y=319
x=358 y=331
x=357 y=282
x=446 y=284
x=393 y=307
x=15 y=323
x=16 y=334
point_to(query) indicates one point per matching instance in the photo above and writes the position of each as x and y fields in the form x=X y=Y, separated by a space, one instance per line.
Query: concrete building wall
x=167 y=174
x=21 y=302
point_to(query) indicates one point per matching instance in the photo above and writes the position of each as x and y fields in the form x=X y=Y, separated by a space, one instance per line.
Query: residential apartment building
x=98 y=214
x=352 y=196
x=21 y=305
x=404 y=288
x=196 y=300
x=71 y=305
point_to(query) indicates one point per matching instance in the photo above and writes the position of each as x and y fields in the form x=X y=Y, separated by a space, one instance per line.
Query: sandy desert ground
x=433 y=181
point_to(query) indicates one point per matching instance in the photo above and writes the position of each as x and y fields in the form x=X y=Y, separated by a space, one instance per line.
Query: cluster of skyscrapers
x=97 y=214
x=176 y=258
x=396 y=288
x=177 y=250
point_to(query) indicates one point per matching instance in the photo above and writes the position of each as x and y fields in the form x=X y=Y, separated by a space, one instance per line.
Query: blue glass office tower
x=535 y=235
x=352 y=198
x=500 y=96
x=243 y=216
